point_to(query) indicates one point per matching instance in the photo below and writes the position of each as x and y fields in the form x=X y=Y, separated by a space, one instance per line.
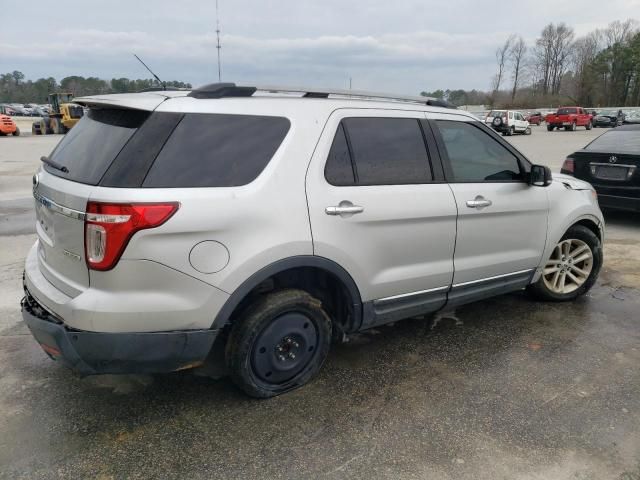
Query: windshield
x=496 y=113
x=617 y=141
x=608 y=113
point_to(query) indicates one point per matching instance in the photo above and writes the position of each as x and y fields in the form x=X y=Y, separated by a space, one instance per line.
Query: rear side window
x=339 y=169
x=384 y=151
x=211 y=150
x=473 y=156
x=89 y=148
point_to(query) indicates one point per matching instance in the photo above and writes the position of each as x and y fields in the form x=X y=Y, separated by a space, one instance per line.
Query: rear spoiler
x=136 y=101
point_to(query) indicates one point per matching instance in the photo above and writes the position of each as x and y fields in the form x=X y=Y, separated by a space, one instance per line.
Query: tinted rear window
x=388 y=151
x=89 y=148
x=617 y=141
x=211 y=150
x=567 y=111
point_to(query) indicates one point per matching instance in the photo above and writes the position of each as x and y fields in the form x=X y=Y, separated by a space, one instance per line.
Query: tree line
x=599 y=69
x=14 y=88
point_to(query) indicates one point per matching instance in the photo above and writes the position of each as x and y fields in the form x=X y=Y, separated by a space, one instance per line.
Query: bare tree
x=553 y=50
x=502 y=56
x=585 y=50
x=517 y=54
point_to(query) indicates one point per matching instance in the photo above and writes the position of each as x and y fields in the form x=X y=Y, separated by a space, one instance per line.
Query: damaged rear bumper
x=90 y=353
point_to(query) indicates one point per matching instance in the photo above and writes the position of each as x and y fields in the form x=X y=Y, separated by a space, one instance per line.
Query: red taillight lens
x=108 y=227
x=568 y=166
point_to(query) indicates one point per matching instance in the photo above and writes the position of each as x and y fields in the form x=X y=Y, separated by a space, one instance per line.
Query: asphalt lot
x=500 y=389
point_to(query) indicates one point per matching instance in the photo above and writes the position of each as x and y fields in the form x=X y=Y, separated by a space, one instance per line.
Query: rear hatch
x=82 y=158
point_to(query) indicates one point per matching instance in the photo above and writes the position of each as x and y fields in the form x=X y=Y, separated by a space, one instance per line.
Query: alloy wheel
x=569 y=266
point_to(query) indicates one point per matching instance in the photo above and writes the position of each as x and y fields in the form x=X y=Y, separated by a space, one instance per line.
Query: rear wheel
x=549 y=128
x=589 y=126
x=573 y=127
x=17 y=132
x=278 y=344
x=572 y=268
x=511 y=131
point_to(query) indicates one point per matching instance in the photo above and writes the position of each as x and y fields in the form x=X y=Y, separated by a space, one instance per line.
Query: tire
x=589 y=126
x=17 y=132
x=278 y=343
x=510 y=131
x=549 y=128
x=577 y=237
x=574 y=127
x=527 y=131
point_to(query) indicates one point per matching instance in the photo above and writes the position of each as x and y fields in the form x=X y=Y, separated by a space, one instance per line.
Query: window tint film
x=476 y=157
x=339 y=170
x=617 y=141
x=94 y=142
x=210 y=150
x=388 y=151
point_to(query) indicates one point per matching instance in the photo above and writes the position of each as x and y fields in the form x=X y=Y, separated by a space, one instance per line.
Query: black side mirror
x=540 y=176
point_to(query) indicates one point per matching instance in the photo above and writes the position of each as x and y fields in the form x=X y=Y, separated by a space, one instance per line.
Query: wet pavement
x=505 y=388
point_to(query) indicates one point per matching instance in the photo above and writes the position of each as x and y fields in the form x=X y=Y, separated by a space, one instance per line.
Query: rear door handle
x=344 y=208
x=479 y=202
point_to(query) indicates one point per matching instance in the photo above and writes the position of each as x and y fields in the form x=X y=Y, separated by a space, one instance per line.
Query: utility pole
x=218 y=46
x=349 y=83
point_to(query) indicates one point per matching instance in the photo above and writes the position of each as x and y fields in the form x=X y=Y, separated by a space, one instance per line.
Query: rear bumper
x=90 y=353
x=619 y=203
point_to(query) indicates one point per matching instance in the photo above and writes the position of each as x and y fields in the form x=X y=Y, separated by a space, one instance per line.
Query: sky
x=401 y=46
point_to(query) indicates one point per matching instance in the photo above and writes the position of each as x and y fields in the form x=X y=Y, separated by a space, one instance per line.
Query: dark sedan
x=608 y=118
x=611 y=163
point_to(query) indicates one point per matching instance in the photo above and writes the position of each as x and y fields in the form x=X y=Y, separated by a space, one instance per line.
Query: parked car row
x=24 y=110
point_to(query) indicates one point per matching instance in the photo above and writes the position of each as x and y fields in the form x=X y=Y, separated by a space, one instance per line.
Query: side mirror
x=540 y=176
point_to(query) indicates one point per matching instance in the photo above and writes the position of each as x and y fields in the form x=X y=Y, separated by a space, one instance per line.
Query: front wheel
x=527 y=131
x=278 y=344
x=572 y=268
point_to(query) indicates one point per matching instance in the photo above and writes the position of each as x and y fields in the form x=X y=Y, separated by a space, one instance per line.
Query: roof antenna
x=164 y=85
x=218 y=46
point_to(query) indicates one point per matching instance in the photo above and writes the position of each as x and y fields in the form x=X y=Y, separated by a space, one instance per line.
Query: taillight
x=568 y=166
x=108 y=227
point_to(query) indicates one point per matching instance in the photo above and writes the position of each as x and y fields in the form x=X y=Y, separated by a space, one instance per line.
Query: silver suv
x=258 y=225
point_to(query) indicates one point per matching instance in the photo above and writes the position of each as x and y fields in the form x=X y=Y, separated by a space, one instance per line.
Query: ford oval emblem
x=613 y=159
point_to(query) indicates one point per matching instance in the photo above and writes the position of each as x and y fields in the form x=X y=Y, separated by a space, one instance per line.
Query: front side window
x=476 y=157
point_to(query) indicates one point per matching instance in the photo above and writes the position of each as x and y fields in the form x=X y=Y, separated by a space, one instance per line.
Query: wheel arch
x=286 y=272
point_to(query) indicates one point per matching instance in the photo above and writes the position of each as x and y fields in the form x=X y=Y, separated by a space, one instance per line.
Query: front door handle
x=479 y=202
x=345 y=208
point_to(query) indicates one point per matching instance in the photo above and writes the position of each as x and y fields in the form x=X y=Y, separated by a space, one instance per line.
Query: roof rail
x=222 y=90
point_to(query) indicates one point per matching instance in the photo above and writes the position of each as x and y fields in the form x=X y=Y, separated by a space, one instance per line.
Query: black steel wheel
x=278 y=343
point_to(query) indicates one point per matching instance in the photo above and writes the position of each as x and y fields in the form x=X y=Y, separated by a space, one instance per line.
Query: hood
x=571 y=182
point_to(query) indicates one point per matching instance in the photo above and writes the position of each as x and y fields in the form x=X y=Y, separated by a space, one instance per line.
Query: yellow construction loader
x=63 y=116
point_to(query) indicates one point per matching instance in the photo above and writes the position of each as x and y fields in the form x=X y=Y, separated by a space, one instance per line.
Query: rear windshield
x=567 y=111
x=129 y=148
x=89 y=148
x=496 y=113
x=617 y=141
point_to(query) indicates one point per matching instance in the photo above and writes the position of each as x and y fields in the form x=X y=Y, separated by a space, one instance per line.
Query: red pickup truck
x=570 y=118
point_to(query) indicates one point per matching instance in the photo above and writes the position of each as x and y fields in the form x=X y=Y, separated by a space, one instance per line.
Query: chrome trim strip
x=625 y=165
x=411 y=294
x=520 y=272
x=56 y=207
